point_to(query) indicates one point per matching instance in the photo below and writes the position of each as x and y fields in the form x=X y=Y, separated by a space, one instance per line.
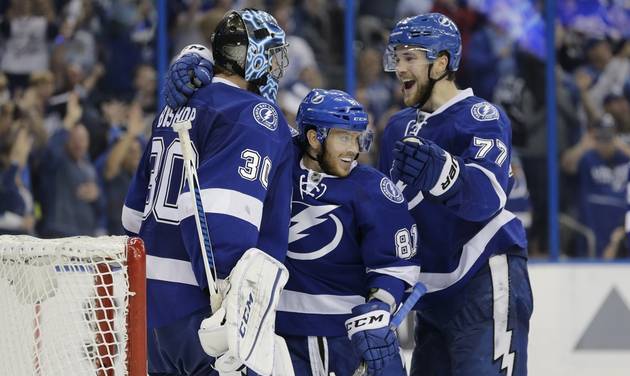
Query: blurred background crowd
x=78 y=93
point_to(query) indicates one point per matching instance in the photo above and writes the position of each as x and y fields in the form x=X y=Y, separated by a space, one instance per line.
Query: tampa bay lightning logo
x=317 y=98
x=307 y=221
x=390 y=191
x=484 y=111
x=266 y=115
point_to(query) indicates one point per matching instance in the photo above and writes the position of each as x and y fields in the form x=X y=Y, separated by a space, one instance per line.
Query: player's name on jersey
x=168 y=117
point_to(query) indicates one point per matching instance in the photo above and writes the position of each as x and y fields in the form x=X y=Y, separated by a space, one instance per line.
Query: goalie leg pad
x=282 y=365
x=255 y=285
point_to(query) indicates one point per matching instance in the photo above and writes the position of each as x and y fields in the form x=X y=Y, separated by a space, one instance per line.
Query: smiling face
x=336 y=155
x=412 y=69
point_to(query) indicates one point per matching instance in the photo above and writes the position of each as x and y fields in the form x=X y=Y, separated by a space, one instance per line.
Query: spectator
x=28 y=27
x=605 y=73
x=16 y=201
x=490 y=57
x=518 y=200
x=618 y=107
x=120 y=165
x=73 y=208
x=600 y=162
x=374 y=89
x=145 y=83
x=33 y=103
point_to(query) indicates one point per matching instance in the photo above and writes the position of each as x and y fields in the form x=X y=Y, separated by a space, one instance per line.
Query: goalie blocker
x=242 y=332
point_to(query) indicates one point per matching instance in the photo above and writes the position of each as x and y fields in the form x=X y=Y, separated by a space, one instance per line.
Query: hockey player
x=352 y=247
x=449 y=152
x=351 y=240
x=244 y=154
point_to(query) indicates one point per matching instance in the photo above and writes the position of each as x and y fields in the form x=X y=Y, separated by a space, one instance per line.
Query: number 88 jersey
x=243 y=153
x=347 y=236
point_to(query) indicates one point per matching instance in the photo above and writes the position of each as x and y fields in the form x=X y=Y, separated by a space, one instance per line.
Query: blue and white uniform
x=470 y=245
x=601 y=197
x=244 y=156
x=348 y=236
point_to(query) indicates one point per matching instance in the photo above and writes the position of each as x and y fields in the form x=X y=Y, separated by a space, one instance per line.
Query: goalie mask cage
x=72 y=306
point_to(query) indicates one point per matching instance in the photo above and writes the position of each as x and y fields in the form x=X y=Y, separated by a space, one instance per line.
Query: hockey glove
x=184 y=76
x=427 y=167
x=370 y=335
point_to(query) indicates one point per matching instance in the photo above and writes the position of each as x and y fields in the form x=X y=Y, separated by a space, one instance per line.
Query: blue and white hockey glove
x=370 y=335
x=188 y=73
x=424 y=165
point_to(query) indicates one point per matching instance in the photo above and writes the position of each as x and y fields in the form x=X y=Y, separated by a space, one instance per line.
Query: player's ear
x=440 y=65
x=311 y=138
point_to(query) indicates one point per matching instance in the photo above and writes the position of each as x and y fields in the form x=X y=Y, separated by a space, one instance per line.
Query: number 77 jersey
x=458 y=236
x=243 y=153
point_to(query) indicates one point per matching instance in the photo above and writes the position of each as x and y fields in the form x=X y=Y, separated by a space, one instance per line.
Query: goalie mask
x=327 y=109
x=250 y=43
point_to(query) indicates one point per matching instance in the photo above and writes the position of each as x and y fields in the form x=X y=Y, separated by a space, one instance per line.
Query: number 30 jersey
x=347 y=236
x=243 y=151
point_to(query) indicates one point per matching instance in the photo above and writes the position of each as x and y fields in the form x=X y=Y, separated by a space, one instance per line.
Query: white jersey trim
x=499 y=273
x=627 y=221
x=224 y=201
x=495 y=183
x=460 y=96
x=408 y=274
x=470 y=253
x=319 y=304
x=131 y=219
x=170 y=270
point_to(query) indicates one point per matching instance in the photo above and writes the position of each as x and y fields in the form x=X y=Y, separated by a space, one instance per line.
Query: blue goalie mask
x=250 y=43
x=432 y=33
x=333 y=109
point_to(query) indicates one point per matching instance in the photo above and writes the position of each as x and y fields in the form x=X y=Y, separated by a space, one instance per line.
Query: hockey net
x=72 y=306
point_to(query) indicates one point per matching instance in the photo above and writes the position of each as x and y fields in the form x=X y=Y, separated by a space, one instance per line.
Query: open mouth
x=408 y=84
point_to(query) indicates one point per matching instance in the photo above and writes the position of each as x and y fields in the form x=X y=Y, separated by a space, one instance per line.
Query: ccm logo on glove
x=369 y=320
x=242 y=328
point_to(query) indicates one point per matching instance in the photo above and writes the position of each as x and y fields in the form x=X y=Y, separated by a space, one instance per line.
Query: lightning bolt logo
x=308 y=218
x=501 y=294
x=267 y=115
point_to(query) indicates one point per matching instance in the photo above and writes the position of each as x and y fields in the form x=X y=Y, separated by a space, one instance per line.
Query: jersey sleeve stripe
x=224 y=201
x=131 y=219
x=321 y=304
x=170 y=270
x=408 y=273
x=470 y=253
x=628 y=222
x=495 y=183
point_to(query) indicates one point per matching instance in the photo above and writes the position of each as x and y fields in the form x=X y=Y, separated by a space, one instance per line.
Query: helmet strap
x=423 y=100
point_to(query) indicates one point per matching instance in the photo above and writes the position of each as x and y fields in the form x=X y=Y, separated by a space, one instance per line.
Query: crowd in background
x=78 y=93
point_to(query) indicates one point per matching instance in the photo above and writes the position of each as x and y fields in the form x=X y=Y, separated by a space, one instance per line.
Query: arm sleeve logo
x=266 y=115
x=484 y=111
x=390 y=191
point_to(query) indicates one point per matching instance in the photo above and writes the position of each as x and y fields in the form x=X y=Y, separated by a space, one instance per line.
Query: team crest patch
x=266 y=115
x=390 y=191
x=484 y=111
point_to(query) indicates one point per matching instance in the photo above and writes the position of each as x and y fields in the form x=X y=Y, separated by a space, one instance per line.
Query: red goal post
x=72 y=306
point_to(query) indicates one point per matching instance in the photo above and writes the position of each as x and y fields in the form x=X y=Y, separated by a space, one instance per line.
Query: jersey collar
x=222 y=80
x=461 y=95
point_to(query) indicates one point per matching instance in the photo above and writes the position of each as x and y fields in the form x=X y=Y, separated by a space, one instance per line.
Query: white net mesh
x=64 y=304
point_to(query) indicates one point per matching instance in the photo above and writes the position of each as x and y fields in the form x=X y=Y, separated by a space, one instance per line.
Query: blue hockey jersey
x=456 y=240
x=602 y=197
x=244 y=155
x=347 y=236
